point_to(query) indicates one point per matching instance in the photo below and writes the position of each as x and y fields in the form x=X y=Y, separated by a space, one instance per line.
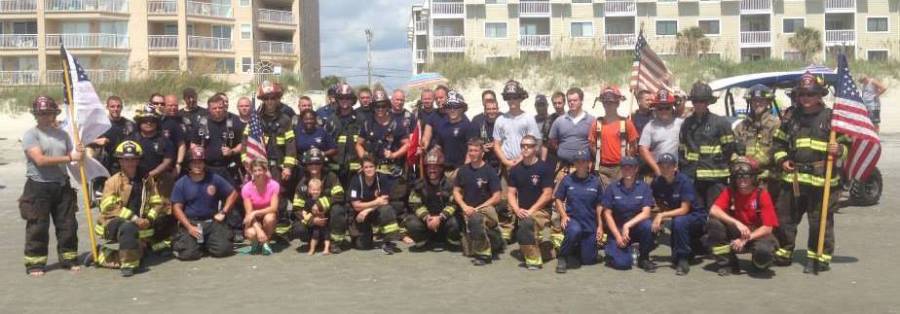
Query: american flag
x=85 y=116
x=649 y=72
x=850 y=117
x=256 y=147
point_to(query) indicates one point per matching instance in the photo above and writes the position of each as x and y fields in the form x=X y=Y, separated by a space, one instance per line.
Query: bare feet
x=408 y=240
x=36 y=273
x=75 y=269
x=311 y=252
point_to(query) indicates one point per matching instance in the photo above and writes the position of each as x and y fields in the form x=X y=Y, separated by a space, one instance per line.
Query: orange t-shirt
x=611 y=150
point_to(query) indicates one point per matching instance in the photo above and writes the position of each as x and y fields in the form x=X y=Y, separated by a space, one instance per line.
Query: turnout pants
x=529 y=235
x=686 y=233
x=580 y=241
x=133 y=241
x=216 y=240
x=384 y=218
x=620 y=258
x=482 y=233
x=40 y=202
x=448 y=232
x=337 y=219
x=719 y=240
x=790 y=214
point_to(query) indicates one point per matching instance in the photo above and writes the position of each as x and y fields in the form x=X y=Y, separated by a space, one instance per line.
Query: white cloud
x=343 y=41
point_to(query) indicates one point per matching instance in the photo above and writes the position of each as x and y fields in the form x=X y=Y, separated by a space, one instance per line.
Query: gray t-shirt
x=511 y=129
x=572 y=135
x=661 y=138
x=52 y=142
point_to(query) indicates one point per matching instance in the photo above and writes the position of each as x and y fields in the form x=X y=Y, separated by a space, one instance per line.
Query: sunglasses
x=528 y=146
x=744 y=176
x=157 y=103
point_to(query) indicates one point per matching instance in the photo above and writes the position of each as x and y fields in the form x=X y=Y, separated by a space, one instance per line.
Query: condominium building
x=236 y=40
x=486 y=30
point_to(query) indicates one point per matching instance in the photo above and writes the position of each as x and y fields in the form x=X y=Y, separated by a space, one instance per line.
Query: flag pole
x=823 y=218
x=73 y=123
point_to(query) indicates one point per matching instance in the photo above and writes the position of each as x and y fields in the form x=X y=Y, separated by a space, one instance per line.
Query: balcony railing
x=18 y=41
x=421 y=27
x=165 y=7
x=162 y=42
x=96 y=76
x=840 y=37
x=620 y=41
x=275 y=16
x=276 y=47
x=18 y=6
x=534 y=9
x=756 y=6
x=88 y=40
x=420 y=55
x=756 y=39
x=209 y=43
x=448 y=43
x=620 y=8
x=19 y=78
x=206 y=9
x=448 y=10
x=112 y=6
x=534 y=42
x=840 y=6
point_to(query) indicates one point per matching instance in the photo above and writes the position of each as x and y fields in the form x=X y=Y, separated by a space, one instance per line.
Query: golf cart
x=860 y=193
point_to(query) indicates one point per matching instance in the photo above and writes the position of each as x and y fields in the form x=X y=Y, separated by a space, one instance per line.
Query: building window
x=495 y=30
x=581 y=1
x=224 y=66
x=246 y=31
x=792 y=25
x=710 y=27
x=793 y=56
x=666 y=28
x=877 y=24
x=877 y=55
x=246 y=64
x=495 y=2
x=582 y=29
x=170 y=29
x=245 y=3
x=221 y=31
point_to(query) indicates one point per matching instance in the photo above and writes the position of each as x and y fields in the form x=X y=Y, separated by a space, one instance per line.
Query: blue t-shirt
x=454 y=138
x=477 y=184
x=201 y=198
x=530 y=181
x=680 y=190
x=581 y=197
x=318 y=139
x=627 y=203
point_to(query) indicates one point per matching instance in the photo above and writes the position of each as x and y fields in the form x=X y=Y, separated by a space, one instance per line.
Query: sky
x=343 y=40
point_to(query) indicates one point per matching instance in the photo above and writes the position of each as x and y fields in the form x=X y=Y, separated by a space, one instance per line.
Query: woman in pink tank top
x=260 y=207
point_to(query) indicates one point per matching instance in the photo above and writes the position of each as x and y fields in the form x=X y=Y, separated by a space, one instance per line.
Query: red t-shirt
x=745 y=208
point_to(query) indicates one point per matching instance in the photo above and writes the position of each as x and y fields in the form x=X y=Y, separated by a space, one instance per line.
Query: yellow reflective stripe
x=414 y=198
x=161 y=245
x=338 y=237
x=809 y=179
x=707 y=150
x=307 y=217
x=299 y=202
x=810 y=143
x=108 y=202
x=825 y=258
x=155 y=200
x=280 y=140
x=725 y=139
x=245 y=157
x=342 y=139
x=506 y=233
x=811 y=254
x=99 y=229
x=449 y=210
x=125 y=213
x=146 y=233
x=421 y=211
x=288 y=135
x=557 y=239
x=712 y=173
x=485 y=252
x=282 y=229
x=779 y=134
x=692 y=156
x=103 y=256
x=130 y=264
x=337 y=190
x=290 y=161
x=780 y=154
x=35 y=260
x=783 y=253
x=534 y=261
x=354 y=166
x=152 y=214
x=69 y=255
x=385 y=169
x=721 y=249
x=324 y=203
x=390 y=228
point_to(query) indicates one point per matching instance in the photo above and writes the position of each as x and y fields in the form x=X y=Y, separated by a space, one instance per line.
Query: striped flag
x=648 y=72
x=850 y=117
x=256 y=144
x=85 y=113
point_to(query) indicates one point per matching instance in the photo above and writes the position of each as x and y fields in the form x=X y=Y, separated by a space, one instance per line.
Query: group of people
x=363 y=172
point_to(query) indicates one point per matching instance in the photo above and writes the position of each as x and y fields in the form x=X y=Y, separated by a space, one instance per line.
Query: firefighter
x=158 y=152
x=133 y=214
x=741 y=220
x=372 y=208
x=191 y=112
x=530 y=193
x=344 y=126
x=435 y=217
x=47 y=194
x=800 y=149
x=612 y=137
x=476 y=191
x=754 y=134
x=706 y=145
x=331 y=203
x=386 y=140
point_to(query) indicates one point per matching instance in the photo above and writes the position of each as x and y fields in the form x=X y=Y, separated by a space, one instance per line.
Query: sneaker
x=647 y=265
x=266 y=250
x=682 y=267
x=533 y=267
x=127 y=272
x=561 y=267
x=238 y=237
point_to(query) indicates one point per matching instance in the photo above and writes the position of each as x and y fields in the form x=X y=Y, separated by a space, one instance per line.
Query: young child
x=313 y=210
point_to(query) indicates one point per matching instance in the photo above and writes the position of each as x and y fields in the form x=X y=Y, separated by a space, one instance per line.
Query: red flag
x=850 y=117
x=413 y=146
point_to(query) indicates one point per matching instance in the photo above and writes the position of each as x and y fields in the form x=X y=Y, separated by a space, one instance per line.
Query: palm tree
x=807 y=41
x=691 y=42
